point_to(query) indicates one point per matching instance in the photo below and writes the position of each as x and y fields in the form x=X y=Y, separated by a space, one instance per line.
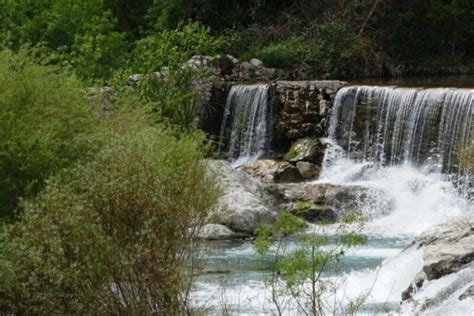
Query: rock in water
x=308 y=170
x=448 y=248
x=446 y=282
x=216 y=232
x=245 y=204
x=269 y=170
x=286 y=172
x=307 y=149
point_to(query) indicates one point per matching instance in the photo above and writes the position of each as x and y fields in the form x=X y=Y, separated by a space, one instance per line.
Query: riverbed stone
x=307 y=149
x=270 y=170
x=469 y=293
x=286 y=172
x=316 y=213
x=343 y=199
x=308 y=170
x=447 y=250
x=256 y=62
x=245 y=204
x=216 y=232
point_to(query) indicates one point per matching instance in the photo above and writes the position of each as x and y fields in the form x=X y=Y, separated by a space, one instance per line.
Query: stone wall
x=304 y=107
x=301 y=108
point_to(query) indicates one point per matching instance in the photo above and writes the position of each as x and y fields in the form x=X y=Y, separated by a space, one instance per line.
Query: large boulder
x=286 y=172
x=307 y=149
x=448 y=248
x=446 y=280
x=269 y=170
x=315 y=213
x=216 y=232
x=245 y=204
x=334 y=199
x=308 y=170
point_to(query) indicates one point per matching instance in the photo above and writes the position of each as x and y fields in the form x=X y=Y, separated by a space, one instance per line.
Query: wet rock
x=316 y=213
x=307 y=149
x=448 y=248
x=245 y=204
x=286 y=172
x=308 y=170
x=469 y=293
x=262 y=168
x=448 y=254
x=269 y=170
x=216 y=232
x=343 y=199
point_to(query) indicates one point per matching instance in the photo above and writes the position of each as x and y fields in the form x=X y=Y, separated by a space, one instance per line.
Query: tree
x=44 y=126
x=297 y=278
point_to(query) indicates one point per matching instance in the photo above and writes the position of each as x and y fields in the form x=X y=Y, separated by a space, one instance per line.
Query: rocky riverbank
x=445 y=284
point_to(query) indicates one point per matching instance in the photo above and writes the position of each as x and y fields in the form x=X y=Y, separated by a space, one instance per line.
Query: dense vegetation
x=101 y=195
x=97 y=38
x=316 y=37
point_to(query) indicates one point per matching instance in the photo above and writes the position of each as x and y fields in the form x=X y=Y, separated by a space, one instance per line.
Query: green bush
x=172 y=48
x=284 y=54
x=100 y=50
x=299 y=274
x=45 y=126
x=335 y=50
x=169 y=95
x=112 y=236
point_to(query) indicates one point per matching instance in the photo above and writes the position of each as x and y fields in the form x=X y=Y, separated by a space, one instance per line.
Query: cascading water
x=405 y=145
x=245 y=130
x=393 y=125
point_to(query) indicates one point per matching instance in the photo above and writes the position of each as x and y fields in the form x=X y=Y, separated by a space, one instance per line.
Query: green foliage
x=112 y=236
x=172 y=47
x=284 y=54
x=334 y=48
x=302 y=206
x=287 y=224
x=167 y=14
x=298 y=273
x=312 y=37
x=166 y=85
x=45 y=126
x=100 y=50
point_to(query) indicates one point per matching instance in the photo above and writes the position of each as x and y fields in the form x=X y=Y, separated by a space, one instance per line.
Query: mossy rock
x=307 y=149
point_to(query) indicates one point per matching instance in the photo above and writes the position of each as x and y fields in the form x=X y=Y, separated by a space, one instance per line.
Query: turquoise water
x=236 y=262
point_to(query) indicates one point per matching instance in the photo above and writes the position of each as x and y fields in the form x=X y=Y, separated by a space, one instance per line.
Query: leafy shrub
x=169 y=92
x=282 y=54
x=173 y=47
x=44 y=126
x=112 y=236
x=100 y=50
x=298 y=274
x=335 y=49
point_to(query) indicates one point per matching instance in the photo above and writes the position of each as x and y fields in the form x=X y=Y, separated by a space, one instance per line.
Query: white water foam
x=419 y=197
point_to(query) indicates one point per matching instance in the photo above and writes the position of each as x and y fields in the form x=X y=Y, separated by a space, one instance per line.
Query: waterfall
x=392 y=125
x=245 y=130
